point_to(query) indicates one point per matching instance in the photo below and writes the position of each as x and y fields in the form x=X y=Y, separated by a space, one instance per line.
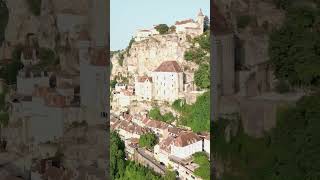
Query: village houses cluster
x=45 y=104
x=164 y=84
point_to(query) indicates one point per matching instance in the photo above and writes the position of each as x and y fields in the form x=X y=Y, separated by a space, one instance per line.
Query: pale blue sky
x=129 y=15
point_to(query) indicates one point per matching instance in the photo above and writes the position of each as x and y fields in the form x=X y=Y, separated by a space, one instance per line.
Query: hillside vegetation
x=290 y=150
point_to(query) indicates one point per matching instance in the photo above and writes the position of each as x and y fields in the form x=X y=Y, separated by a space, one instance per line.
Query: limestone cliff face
x=21 y=21
x=145 y=56
x=264 y=16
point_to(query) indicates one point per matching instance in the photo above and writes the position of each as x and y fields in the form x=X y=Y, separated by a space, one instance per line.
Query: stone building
x=191 y=27
x=143 y=88
x=168 y=81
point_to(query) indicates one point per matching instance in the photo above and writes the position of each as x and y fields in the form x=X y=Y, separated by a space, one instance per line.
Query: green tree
x=197 y=115
x=202 y=76
x=170 y=175
x=202 y=160
x=136 y=171
x=162 y=28
x=117 y=156
x=148 y=140
x=155 y=114
x=172 y=29
x=206 y=24
x=294 y=49
x=47 y=57
x=113 y=83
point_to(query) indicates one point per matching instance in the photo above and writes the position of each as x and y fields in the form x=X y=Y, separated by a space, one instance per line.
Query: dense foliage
x=172 y=29
x=120 y=169
x=155 y=114
x=117 y=156
x=289 y=151
x=34 y=6
x=294 y=49
x=206 y=23
x=199 y=54
x=47 y=58
x=113 y=83
x=243 y=21
x=148 y=140
x=9 y=71
x=162 y=28
x=197 y=115
x=4 y=17
x=202 y=160
x=136 y=171
x=202 y=76
x=170 y=175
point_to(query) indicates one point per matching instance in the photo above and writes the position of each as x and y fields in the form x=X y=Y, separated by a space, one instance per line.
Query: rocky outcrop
x=21 y=22
x=145 y=56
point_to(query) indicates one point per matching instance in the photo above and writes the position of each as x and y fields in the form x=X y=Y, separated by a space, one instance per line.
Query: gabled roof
x=169 y=66
x=186 y=138
x=144 y=78
x=184 y=22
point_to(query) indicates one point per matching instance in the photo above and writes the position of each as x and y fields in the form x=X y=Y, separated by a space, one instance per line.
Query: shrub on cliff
x=162 y=28
x=155 y=114
x=202 y=76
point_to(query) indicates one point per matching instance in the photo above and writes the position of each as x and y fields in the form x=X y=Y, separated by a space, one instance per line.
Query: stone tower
x=98 y=23
x=200 y=19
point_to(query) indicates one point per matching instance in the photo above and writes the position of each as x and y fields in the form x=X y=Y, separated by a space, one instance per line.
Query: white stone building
x=93 y=81
x=29 y=56
x=123 y=98
x=143 y=88
x=186 y=144
x=144 y=34
x=119 y=87
x=206 y=144
x=27 y=79
x=191 y=27
x=167 y=81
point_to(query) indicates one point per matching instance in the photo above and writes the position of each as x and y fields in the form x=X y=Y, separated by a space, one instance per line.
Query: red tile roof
x=169 y=66
x=165 y=144
x=144 y=78
x=186 y=138
x=184 y=22
x=157 y=124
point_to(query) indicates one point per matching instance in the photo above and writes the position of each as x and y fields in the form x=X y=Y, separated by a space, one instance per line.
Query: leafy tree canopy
x=294 y=49
x=197 y=115
x=162 y=28
x=155 y=114
x=148 y=140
